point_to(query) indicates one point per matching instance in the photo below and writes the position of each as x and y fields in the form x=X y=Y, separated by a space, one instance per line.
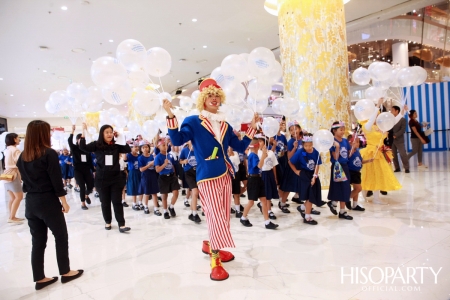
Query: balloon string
x=156 y=90
x=378 y=147
x=160 y=84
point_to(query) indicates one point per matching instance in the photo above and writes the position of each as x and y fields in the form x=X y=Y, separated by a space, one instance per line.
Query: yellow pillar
x=314 y=60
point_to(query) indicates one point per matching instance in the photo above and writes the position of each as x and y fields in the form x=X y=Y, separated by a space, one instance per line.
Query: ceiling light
x=45 y=71
x=23 y=104
x=271 y=6
x=154 y=86
x=194 y=20
x=385 y=40
x=78 y=50
x=44 y=90
x=205 y=46
x=414 y=10
x=419 y=15
x=64 y=7
x=1 y=78
x=111 y=41
x=389 y=60
x=16 y=115
x=346 y=1
x=178 y=81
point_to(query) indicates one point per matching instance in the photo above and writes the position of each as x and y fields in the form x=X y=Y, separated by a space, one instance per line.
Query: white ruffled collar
x=213 y=117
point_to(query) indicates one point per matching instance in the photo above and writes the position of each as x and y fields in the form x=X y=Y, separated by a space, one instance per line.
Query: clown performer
x=377 y=175
x=211 y=135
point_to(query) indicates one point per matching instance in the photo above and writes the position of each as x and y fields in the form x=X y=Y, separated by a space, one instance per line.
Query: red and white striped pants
x=215 y=196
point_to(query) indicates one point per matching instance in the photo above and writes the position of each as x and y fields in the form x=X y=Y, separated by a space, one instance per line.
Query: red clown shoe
x=218 y=273
x=225 y=256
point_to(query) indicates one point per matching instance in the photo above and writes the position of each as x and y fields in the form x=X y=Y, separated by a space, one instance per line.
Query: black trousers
x=85 y=181
x=45 y=211
x=110 y=192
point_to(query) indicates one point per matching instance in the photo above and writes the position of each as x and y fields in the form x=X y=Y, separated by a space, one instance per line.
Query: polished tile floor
x=162 y=259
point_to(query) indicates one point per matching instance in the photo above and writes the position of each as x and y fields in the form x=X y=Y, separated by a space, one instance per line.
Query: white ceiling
x=225 y=27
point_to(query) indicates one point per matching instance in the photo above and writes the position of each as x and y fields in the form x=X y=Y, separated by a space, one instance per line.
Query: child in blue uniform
x=167 y=181
x=305 y=164
x=134 y=176
x=355 y=163
x=339 y=191
x=64 y=162
x=149 y=179
x=255 y=188
x=189 y=162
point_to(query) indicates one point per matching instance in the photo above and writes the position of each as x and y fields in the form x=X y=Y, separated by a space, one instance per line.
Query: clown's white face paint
x=212 y=103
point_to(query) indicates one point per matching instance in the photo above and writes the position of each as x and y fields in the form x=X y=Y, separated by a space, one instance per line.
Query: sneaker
x=183 y=193
x=397 y=170
x=88 y=200
x=96 y=195
x=191 y=217
x=238 y=214
x=186 y=203
x=383 y=193
x=197 y=219
x=299 y=208
x=259 y=206
x=243 y=196
x=146 y=210
x=310 y=222
x=136 y=207
x=345 y=216
x=358 y=208
x=157 y=213
x=332 y=208
x=271 y=226
x=272 y=216
x=369 y=193
x=172 y=212
x=348 y=204
x=166 y=215
x=232 y=210
x=125 y=204
x=84 y=207
x=246 y=223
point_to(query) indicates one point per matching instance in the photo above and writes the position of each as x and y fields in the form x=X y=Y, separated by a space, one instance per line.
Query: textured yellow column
x=315 y=64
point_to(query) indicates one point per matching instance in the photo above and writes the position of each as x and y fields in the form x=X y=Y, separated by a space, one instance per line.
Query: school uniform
x=70 y=172
x=255 y=186
x=267 y=175
x=291 y=182
x=149 y=179
x=306 y=163
x=167 y=181
x=63 y=162
x=281 y=155
x=134 y=175
x=340 y=191
x=354 y=166
x=236 y=182
x=242 y=170
x=189 y=169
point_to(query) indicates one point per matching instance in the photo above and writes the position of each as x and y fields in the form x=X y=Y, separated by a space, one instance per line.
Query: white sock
x=140 y=202
x=355 y=204
x=270 y=211
x=267 y=222
x=282 y=203
x=334 y=203
x=376 y=195
x=194 y=212
x=165 y=210
x=296 y=195
x=302 y=207
x=237 y=207
x=155 y=209
x=171 y=206
x=307 y=217
x=145 y=206
x=342 y=210
x=123 y=200
x=243 y=218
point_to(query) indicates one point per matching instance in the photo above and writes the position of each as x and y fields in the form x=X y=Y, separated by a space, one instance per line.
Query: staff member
x=14 y=188
x=108 y=182
x=417 y=140
x=398 y=144
x=82 y=163
x=41 y=175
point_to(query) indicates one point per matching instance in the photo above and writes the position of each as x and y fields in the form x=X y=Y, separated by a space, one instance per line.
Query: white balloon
x=76 y=93
x=374 y=93
x=105 y=118
x=385 y=121
x=234 y=116
x=161 y=120
x=164 y=96
x=91 y=130
x=159 y=62
x=131 y=54
x=247 y=116
x=120 y=121
x=235 y=65
x=407 y=77
x=226 y=82
x=323 y=140
x=146 y=102
x=276 y=105
x=108 y=73
x=181 y=115
x=259 y=90
x=58 y=100
x=150 y=129
x=94 y=96
x=194 y=112
x=394 y=79
x=259 y=105
x=381 y=71
x=361 y=76
x=236 y=95
x=195 y=95
x=274 y=76
x=50 y=107
x=421 y=73
x=364 y=109
x=134 y=128
x=186 y=103
x=261 y=61
x=120 y=95
x=95 y=137
x=289 y=107
x=139 y=79
x=270 y=126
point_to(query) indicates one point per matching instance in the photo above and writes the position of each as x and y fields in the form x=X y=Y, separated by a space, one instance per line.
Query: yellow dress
x=377 y=175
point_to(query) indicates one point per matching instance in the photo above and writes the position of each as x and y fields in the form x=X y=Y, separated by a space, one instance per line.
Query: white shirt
x=215 y=120
x=270 y=162
x=235 y=160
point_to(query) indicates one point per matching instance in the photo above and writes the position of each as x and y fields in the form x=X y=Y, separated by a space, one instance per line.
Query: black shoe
x=406 y=171
x=285 y=210
x=124 y=229
x=172 y=212
x=136 y=207
x=271 y=226
x=84 y=207
x=241 y=208
x=88 y=200
x=260 y=206
x=203 y=213
x=242 y=196
x=296 y=200
x=369 y=193
x=396 y=170
x=41 y=285
x=70 y=186
x=186 y=203
x=359 y=208
x=299 y=208
x=198 y=206
x=77 y=189
x=384 y=193
x=146 y=210
x=322 y=203
x=159 y=198
x=183 y=193
x=166 y=215
x=333 y=210
x=310 y=222
x=315 y=212
x=157 y=213
x=108 y=227
x=65 y=279
x=246 y=223
x=96 y=195
x=141 y=206
x=272 y=216
x=197 y=219
x=238 y=214
x=348 y=204
x=232 y=211
x=345 y=216
x=191 y=217
x=271 y=204
x=125 y=204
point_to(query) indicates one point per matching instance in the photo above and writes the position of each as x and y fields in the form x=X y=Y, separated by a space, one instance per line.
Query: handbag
x=427 y=139
x=338 y=173
x=429 y=131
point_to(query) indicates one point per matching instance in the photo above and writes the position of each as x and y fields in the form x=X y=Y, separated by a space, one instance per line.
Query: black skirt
x=308 y=192
x=340 y=191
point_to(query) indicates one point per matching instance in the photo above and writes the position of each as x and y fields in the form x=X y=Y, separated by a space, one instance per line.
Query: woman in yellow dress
x=377 y=175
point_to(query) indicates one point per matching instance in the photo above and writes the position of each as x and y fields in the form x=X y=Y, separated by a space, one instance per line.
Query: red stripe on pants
x=215 y=196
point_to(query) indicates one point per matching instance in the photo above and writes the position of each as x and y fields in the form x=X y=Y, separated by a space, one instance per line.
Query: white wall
x=19 y=125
